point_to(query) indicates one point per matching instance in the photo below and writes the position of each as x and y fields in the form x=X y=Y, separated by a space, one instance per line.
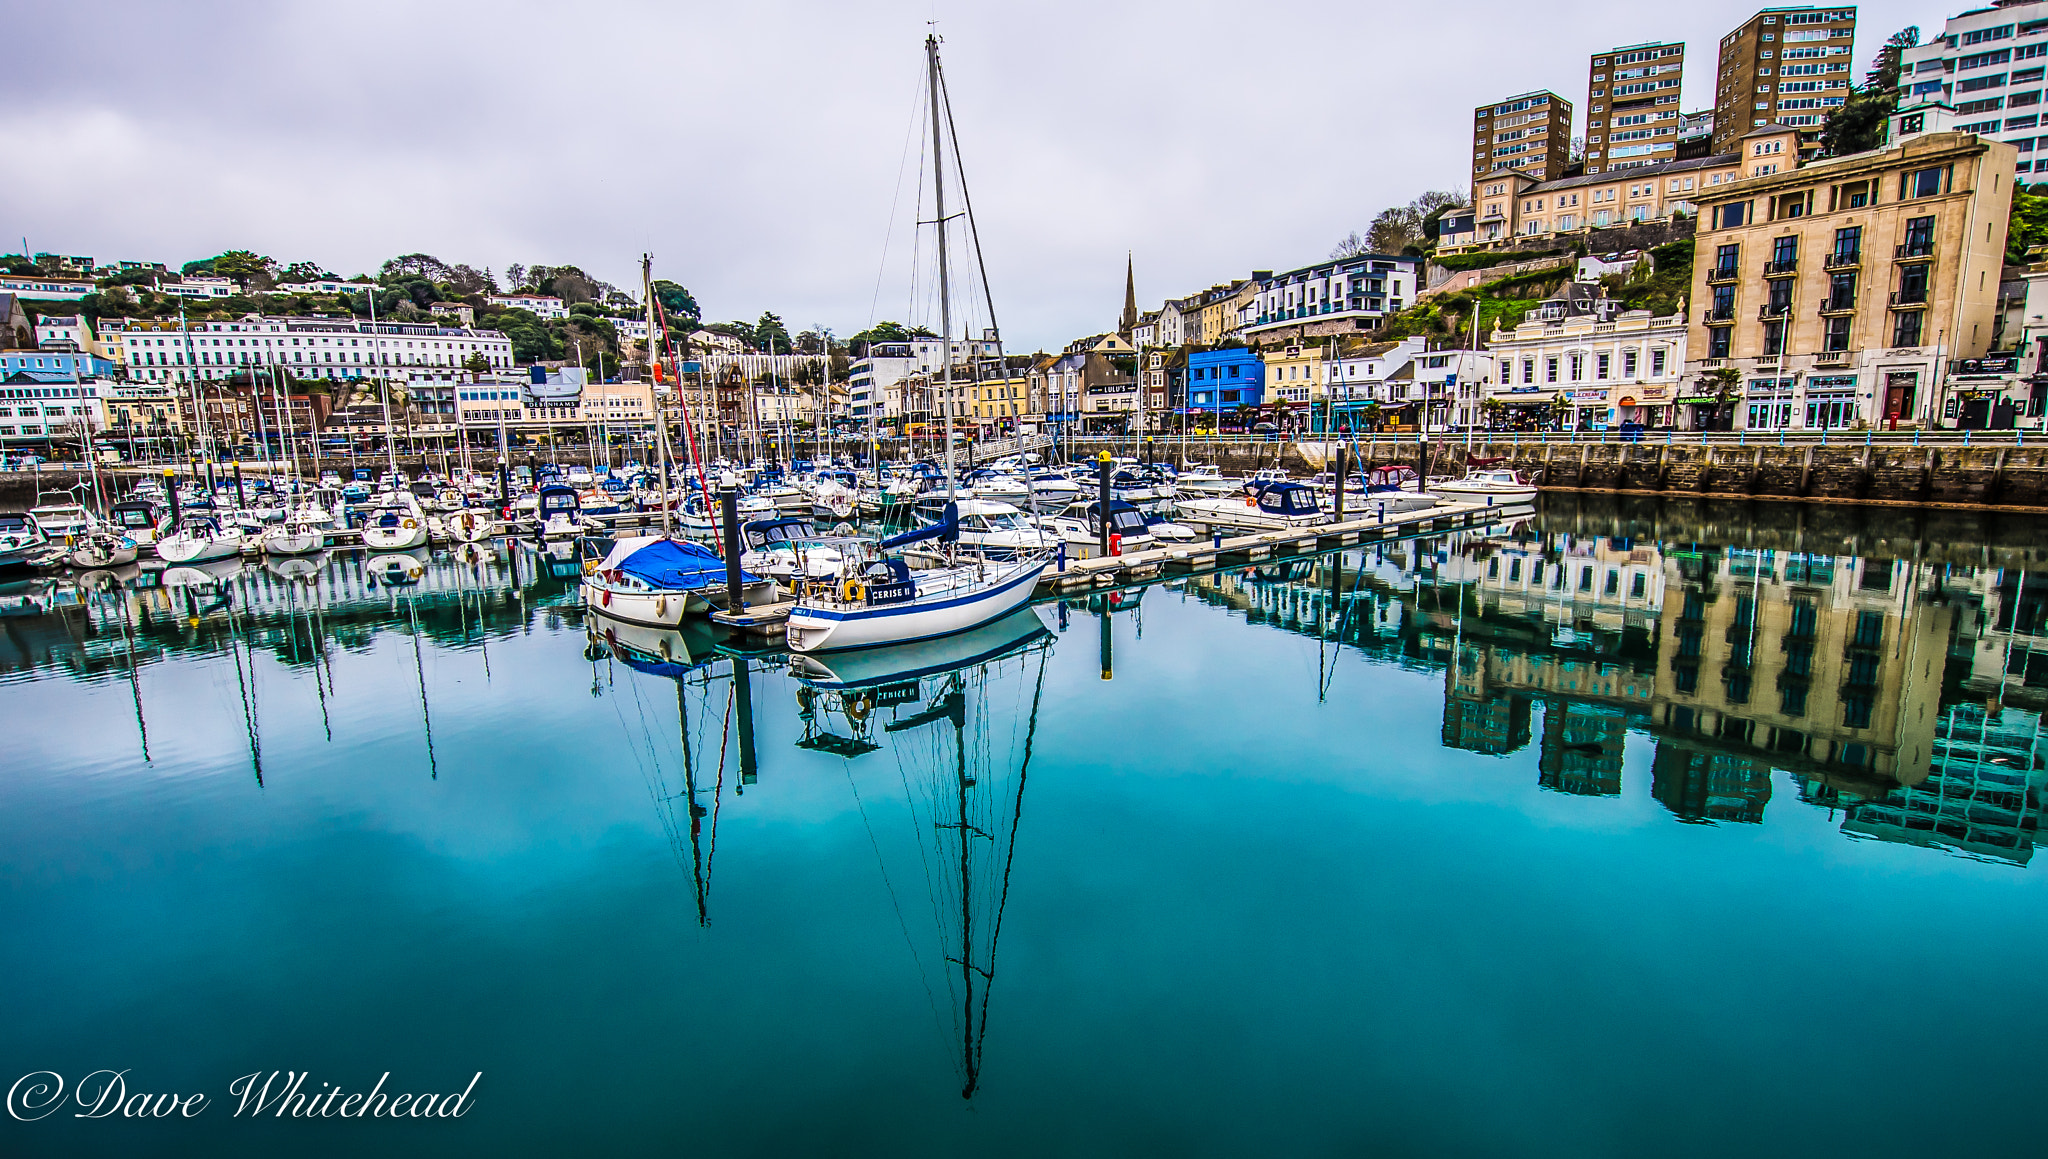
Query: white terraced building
x=1991 y=66
x=167 y=351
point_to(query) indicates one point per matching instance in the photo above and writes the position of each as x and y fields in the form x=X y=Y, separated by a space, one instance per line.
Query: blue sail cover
x=675 y=566
x=946 y=530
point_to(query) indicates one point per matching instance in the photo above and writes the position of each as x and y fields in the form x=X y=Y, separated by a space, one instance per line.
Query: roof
x=1770 y=130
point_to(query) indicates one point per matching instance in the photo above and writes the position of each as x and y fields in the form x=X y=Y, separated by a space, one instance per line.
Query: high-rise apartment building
x=1988 y=65
x=1785 y=66
x=1632 y=115
x=1530 y=133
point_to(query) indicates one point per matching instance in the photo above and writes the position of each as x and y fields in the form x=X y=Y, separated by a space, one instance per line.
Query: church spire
x=1129 y=322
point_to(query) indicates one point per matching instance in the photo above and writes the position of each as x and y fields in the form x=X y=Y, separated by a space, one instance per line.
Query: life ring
x=409 y=525
x=857 y=709
x=853 y=592
x=1251 y=501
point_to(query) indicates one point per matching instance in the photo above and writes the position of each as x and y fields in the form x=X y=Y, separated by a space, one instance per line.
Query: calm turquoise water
x=1388 y=853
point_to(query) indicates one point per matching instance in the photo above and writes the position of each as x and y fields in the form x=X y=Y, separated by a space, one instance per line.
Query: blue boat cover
x=675 y=566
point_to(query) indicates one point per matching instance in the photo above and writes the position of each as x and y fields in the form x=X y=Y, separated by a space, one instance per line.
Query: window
x=1550 y=369
x=1628 y=364
x=1600 y=365
x=1921 y=183
x=1906 y=328
x=1842 y=290
x=1725 y=260
x=1719 y=341
x=1657 y=362
x=1731 y=215
x=1835 y=335
x=1774 y=338
x=1784 y=252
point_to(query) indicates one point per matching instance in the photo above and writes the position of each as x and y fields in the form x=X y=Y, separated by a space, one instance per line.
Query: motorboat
x=138 y=519
x=656 y=581
x=558 y=514
x=201 y=536
x=782 y=549
x=1267 y=506
x=1079 y=526
x=395 y=523
x=1000 y=531
x=62 y=522
x=1496 y=486
x=879 y=598
x=21 y=539
x=1387 y=490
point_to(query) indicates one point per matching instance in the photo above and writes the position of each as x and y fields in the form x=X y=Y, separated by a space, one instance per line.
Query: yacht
x=138 y=519
x=294 y=536
x=200 y=536
x=62 y=522
x=1495 y=486
x=558 y=513
x=1268 y=506
x=782 y=549
x=1079 y=526
x=395 y=523
x=1000 y=531
x=656 y=581
x=20 y=539
x=880 y=598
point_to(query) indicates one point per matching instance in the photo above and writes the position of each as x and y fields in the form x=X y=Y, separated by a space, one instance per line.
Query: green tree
x=477 y=365
x=676 y=302
x=771 y=334
x=2027 y=226
x=1860 y=123
x=251 y=269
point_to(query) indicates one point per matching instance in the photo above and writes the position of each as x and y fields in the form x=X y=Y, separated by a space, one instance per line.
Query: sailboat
x=876 y=598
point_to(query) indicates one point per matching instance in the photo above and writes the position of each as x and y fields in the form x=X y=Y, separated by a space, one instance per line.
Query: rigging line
x=896 y=903
x=242 y=685
x=1009 y=860
x=960 y=171
x=718 y=787
x=134 y=677
x=419 y=666
x=896 y=198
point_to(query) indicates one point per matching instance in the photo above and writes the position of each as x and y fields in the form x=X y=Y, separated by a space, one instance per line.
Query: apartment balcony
x=1723 y=314
x=1909 y=300
x=1914 y=251
x=1843 y=261
x=1833 y=306
x=1784 y=269
x=1717 y=274
x=1770 y=313
x=1833 y=358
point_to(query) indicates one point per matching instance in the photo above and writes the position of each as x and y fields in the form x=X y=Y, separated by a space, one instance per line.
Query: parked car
x=1632 y=432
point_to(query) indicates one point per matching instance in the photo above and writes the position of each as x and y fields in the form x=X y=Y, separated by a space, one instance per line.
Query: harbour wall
x=2000 y=476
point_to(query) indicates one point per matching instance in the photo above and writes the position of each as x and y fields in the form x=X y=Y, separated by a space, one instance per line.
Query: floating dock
x=1108 y=571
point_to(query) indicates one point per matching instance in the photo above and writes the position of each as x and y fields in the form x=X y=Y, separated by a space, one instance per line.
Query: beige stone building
x=1632 y=115
x=1840 y=289
x=1592 y=365
x=1511 y=208
x=1786 y=66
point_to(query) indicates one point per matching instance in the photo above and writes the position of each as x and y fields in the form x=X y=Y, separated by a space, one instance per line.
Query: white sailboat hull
x=815 y=627
x=183 y=548
x=291 y=540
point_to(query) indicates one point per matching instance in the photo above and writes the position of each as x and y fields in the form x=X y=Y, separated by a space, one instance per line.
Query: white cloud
x=754 y=148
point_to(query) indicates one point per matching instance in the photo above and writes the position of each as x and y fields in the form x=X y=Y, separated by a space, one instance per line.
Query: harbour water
x=1605 y=834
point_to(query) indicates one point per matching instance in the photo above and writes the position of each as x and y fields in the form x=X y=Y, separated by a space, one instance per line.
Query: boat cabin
x=1287 y=499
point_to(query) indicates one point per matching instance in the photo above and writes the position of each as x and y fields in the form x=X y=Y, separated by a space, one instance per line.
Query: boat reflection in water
x=942 y=705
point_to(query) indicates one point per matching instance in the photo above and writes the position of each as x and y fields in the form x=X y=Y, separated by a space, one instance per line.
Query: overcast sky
x=754 y=148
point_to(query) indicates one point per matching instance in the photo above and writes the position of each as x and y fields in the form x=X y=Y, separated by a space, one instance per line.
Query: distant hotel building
x=1632 y=115
x=1530 y=133
x=1988 y=64
x=1787 y=66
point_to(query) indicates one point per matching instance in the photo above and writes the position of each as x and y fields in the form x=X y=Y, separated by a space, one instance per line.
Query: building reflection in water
x=1904 y=696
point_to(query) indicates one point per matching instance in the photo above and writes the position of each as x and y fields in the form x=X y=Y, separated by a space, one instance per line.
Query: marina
x=1622 y=742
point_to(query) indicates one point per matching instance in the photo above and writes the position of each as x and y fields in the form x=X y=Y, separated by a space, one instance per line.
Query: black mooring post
x=241 y=500
x=729 y=514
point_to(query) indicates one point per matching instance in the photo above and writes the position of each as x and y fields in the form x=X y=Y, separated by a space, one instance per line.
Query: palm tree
x=1723 y=382
x=1492 y=408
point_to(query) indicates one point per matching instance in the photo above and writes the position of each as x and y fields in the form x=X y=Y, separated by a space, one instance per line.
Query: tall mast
x=931 y=52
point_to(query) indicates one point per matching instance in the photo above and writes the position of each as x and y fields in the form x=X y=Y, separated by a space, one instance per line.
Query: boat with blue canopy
x=654 y=580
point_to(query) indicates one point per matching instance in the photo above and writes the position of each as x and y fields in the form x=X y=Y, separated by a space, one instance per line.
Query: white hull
x=289 y=540
x=96 y=551
x=471 y=526
x=820 y=628
x=182 y=548
x=399 y=538
x=667 y=609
